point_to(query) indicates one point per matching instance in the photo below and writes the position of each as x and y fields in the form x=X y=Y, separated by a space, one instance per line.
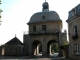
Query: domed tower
x=44 y=29
x=45 y=6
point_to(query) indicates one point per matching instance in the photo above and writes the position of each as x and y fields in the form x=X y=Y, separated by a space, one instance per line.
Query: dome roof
x=44 y=16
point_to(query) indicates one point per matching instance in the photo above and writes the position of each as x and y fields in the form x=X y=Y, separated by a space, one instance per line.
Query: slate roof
x=44 y=16
x=15 y=40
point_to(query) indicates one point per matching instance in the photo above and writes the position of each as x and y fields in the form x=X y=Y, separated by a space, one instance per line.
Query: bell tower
x=45 y=6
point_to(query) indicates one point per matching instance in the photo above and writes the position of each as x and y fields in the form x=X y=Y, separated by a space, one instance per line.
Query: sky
x=17 y=13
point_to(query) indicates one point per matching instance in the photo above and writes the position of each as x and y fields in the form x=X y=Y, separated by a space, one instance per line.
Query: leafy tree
x=54 y=47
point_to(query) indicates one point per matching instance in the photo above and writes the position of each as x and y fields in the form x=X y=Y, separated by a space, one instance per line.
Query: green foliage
x=66 y=43
x=55 y=47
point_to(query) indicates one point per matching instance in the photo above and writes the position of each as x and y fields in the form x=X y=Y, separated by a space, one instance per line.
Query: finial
x=15 y=35
x=45 y=0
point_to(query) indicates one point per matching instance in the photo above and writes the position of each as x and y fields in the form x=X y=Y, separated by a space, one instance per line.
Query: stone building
x=0 y=50
x=44 y=29
x=14 y=47
x=74 y=32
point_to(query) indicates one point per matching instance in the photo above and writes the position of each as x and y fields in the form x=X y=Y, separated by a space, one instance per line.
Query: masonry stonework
x=74 y=32
x=45 y=28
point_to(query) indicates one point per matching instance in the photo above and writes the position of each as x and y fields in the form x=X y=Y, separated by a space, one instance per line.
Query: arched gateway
x=49 y=46
x=35 y=47
x=44 y=29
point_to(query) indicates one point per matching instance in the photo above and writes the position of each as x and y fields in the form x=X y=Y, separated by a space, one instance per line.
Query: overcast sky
x=16 y=13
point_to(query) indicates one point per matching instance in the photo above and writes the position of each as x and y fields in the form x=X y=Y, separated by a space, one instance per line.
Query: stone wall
x=74 y=21
x=13 y=50
x=26 y=42
x=0 y=50
x=52 y=33
x=50 y=27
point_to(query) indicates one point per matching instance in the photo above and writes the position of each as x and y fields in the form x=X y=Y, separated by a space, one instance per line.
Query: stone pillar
x=60 y=42
x=60 y=52
x=44 y=49
x=27 y=43
x=31 y=50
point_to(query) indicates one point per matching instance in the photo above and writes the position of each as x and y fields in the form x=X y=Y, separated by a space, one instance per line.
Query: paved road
x=27 y=59
x=32 y=58
x=36 y=59
x=53 y=57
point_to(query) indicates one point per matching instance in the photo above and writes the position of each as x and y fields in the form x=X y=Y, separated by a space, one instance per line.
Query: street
x=39 y=57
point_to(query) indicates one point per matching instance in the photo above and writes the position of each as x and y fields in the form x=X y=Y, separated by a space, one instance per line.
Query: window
x=76 y=48
x=43 y=17
x=73 y=12
x=34 y=28
x=75 y=29
x=43 y=27
x=78 y=9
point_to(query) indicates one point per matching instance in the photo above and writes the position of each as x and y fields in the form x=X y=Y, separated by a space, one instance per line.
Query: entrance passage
x=52 y=48
x=37 y=48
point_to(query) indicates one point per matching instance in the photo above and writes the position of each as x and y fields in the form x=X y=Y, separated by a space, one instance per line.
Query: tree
x=54 y=47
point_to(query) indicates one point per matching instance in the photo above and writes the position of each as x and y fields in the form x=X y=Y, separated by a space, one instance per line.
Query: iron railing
x=45 y=32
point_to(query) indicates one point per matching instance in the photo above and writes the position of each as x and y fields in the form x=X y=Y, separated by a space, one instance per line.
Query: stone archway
x=49 y=46
x=35 y=47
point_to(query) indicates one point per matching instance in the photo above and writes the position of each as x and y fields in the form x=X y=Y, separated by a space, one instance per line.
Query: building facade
x=74 y=32
x=0 y=50
x=14 y=47
x=45 y=29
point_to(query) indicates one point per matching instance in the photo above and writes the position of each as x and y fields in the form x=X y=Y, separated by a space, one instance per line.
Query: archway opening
x=53 y=48
x=37 y=48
